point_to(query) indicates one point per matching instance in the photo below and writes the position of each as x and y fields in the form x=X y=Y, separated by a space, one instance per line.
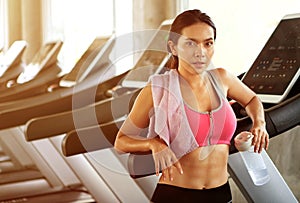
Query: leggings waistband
x=171 y=193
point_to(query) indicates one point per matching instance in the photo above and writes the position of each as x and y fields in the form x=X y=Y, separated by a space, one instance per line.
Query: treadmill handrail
x=42 y=127
x=91 y=138
x=19 y=112
x=33 y=87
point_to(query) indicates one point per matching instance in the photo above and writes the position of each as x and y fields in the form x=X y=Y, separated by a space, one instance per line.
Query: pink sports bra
x=215 y=127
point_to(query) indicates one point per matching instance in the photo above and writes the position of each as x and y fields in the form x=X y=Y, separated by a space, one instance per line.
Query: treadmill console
x=13 y=56
x=276 y=69
x=153 y=59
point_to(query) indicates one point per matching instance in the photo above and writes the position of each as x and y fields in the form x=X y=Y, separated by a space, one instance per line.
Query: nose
x=199 y=50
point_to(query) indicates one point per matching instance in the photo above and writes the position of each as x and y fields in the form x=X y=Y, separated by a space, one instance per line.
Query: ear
x=172 y=47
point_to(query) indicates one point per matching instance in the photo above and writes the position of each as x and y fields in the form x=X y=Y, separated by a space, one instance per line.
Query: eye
x=190 y=43
x=209 y=43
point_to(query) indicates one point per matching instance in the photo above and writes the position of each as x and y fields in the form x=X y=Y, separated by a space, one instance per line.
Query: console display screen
x=152 y=60
x=276 y=68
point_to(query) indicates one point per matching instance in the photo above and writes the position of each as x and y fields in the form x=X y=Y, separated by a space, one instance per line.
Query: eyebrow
x=195 y=40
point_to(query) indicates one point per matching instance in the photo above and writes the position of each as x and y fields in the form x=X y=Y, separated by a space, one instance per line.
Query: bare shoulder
x=141 y=108
x=234 y=87
x=145 y=96
x=147 y=90
x=225 y=77
x=222 y=73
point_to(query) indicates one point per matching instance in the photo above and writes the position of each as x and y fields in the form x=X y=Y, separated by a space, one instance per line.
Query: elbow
x=256 y=98
x=253 y=101
x=119 y=150
x=118 y=145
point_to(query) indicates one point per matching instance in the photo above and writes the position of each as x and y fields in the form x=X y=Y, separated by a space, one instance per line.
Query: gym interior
x=71 y=70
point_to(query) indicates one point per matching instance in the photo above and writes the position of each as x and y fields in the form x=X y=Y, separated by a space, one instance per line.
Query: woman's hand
x=164 y=158
x=261 y=137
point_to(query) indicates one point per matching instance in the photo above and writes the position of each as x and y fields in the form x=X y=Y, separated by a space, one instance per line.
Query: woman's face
x=195 y=47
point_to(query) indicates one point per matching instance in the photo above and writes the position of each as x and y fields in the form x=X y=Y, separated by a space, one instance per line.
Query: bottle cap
x=243 y=141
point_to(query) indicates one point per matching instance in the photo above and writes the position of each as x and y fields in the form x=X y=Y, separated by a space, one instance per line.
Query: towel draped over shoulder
x=169 y=120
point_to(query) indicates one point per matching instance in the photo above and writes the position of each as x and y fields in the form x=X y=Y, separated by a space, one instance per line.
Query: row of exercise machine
x=57 y=130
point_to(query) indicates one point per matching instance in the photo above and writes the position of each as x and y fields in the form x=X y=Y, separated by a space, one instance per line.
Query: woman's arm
x=129 y=141
x=238 y=91
x=128 y=138
x=255 y=111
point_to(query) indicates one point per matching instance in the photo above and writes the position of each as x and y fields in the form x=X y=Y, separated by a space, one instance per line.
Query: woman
x=189 y=118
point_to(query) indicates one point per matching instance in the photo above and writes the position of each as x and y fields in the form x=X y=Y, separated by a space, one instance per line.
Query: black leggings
x=169 y=193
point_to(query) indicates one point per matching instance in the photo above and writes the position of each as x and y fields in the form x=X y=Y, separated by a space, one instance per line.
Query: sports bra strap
x=216 y=83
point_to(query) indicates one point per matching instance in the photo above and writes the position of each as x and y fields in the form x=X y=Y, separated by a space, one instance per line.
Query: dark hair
x=185 y=19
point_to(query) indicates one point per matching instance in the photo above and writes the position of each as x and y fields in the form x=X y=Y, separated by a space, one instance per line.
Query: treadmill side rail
x=277 y=187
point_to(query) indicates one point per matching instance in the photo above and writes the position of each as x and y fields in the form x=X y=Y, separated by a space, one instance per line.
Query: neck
x=195 y=79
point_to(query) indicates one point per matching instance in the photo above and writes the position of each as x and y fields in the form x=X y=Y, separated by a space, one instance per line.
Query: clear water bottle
x=256 y=167
x=253 y=161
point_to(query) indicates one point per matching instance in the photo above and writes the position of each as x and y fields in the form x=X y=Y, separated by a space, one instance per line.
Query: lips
x=199 y=64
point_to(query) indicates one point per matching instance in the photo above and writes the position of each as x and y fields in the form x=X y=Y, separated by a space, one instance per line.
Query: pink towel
x=169 y=120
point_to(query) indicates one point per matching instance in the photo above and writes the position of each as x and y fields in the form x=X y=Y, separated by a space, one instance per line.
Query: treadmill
x=74 y=174
x=36 y=172
x=274 y=76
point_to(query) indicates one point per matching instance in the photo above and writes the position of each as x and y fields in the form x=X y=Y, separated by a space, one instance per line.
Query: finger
x=267 y=142
x=257 y=144
x=261 y=146
x=170 y=171
x=164 y=169
x=178 y=166
x=157 y=166
x=254 y=139
x=262 y=142
x=169 y=168
x=164 y=174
